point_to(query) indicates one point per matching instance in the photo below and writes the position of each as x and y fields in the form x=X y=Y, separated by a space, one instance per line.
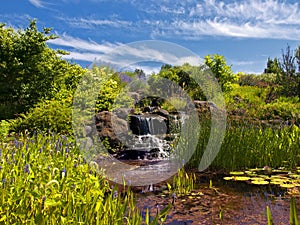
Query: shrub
x=55 y=115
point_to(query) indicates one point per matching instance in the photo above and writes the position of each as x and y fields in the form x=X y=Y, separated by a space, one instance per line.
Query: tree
x=30 y=70
x=221 y=71
x=273 y=66
x=179 y=75
x=289 y=77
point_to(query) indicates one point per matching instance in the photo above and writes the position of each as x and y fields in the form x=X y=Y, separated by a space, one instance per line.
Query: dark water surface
x=237 y=203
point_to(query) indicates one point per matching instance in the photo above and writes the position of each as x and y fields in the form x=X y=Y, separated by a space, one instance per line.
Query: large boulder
x=111 y=128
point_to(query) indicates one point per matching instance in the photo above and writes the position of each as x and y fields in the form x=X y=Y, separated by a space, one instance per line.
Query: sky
x=245 y=32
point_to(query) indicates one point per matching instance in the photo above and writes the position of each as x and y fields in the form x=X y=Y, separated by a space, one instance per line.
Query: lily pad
x=241 y=178
x=287 y=185
x=277 y=181
x=295 y=176
x=260 y=182
x=236 y=173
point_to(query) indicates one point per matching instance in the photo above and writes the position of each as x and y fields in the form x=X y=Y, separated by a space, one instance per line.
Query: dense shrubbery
x=30 y=71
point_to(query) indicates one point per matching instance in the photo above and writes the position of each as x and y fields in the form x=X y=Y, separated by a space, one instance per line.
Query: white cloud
x=91 y=23
x=86 y=56
x=192 y=19
x=79 y=44
x=37 y=3
x=243 y=19
x=122 y=55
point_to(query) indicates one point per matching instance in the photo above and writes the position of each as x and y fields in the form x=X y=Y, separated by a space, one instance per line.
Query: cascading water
x=147 y=124
x=148 y=132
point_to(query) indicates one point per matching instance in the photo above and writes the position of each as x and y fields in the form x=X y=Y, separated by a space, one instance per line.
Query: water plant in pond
x=183 y=183
x=269 y=216
x=293 y=213
x=280 y=177
x=251 y=146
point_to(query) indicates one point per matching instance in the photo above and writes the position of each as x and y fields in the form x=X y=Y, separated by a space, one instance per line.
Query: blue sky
x=246 y=32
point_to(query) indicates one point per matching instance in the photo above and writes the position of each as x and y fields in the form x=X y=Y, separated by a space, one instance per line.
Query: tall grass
x=251 y=147
x=45 y=180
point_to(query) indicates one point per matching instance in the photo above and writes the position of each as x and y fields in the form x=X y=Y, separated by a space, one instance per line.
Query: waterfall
x=148 y=136
x=143 y=125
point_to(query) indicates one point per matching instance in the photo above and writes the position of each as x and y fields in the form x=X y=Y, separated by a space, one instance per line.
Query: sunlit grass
x=45 y=180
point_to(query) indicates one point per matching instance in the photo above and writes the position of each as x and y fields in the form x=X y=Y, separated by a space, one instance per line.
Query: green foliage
x=45 y=180
x=273 y=66
x=4 y=129
x=221 y=71
x=282 y=109
x=55 y=115
x=272 y=147
x=174 y=104
x=293 y=212
x=261 y=80
x=111 y=90
x=287 y=71
x=269 y=216
x=179 y=75
x=260 y=103
x=183 y=183
x=29 y=69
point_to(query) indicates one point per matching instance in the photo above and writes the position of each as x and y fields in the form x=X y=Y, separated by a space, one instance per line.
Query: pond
x=215 y=201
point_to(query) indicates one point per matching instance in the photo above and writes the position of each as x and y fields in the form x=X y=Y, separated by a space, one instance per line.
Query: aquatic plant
x=182 y=184
x=293 y=213
x=281 y=177
x=251 y=146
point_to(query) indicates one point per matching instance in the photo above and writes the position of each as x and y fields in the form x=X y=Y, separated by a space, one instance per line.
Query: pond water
x=224 y=203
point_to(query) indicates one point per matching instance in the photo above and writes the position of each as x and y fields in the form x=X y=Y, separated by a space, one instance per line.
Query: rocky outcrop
x=111 y=128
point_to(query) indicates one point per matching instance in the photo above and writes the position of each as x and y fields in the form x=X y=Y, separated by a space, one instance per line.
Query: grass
x=45 y=180
x=252 y=146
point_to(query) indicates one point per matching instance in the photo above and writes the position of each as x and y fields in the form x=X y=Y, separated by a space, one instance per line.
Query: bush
x=4 y=129
x=54 y=115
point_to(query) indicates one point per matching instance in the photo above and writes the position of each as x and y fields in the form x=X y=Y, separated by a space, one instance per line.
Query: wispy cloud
x=243 y=19
x=91 y=23
x=122 y=55
x=83 y=45
x=37 y=3
x=193 y=19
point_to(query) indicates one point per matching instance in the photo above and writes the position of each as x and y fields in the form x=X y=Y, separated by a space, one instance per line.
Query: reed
x=251 y=147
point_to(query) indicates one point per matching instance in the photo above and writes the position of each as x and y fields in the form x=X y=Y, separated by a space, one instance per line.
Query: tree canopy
x=30 y=70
